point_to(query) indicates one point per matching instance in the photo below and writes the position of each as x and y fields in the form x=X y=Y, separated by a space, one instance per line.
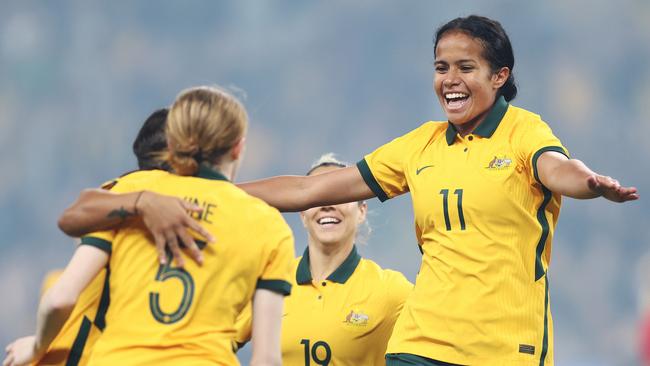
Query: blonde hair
x=328 y=160
x=203 y=124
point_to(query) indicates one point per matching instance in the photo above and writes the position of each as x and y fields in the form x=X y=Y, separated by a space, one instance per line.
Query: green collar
x=489 y=124
x=209 y=173
x=340 y=275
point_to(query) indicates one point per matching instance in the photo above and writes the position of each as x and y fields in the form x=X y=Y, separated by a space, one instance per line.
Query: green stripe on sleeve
x=280 y=286
x=79 y=343
x=104 y=302
x=370 y=180
x=539 y=153
x=102 y=244
x=541 y=211
x=541 y=244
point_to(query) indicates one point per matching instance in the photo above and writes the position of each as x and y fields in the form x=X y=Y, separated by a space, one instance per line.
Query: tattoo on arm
x=120 y=213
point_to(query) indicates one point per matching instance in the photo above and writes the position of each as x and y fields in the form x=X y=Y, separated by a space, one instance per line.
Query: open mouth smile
x=328 y=221
x=456 y=100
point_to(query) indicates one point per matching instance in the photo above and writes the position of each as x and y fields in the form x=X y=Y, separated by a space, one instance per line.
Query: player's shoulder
x=427 y=130
x=135 y=176
x=388 y=285
x=523 y=119
x=143 y=173
x=251 y=201
x=255 y=208
x=383 y=275
x=437 y=126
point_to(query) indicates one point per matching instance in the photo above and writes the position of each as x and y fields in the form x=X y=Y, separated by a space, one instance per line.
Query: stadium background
x=78 y=78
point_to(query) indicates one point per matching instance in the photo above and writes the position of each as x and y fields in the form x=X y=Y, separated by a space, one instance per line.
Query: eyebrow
x=457 y=62
x=465 y=60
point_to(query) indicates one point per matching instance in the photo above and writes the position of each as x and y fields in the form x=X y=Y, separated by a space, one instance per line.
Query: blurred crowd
x=77 y=78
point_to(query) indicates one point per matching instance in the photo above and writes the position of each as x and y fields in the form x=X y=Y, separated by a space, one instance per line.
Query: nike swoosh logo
x=417 y=172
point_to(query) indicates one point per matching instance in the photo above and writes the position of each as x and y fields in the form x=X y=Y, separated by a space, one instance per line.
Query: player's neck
x=468 y=127
x=325 y=259
x=227 y=169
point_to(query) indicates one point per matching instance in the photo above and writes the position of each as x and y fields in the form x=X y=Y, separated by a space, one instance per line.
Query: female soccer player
x=164 y=315
x=74 y=342
x=342 y=308
x=486 y=188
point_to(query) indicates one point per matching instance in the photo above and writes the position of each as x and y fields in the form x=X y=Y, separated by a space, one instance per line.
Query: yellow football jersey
x=74 y=342
x=485 y=224
x=164 y=315
x=345 y=320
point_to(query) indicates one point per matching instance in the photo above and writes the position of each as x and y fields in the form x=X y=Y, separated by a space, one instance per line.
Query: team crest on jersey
x=358 y=319
x=499 y=163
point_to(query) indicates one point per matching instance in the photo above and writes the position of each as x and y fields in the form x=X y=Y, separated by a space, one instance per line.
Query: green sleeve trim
x=539 y=153
x=102 y=244
x=370 y=180
x=280 y=286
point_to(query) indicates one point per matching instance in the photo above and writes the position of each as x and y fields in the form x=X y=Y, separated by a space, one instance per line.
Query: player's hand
x=21 y=352
x=611 y=189
x=169 y=221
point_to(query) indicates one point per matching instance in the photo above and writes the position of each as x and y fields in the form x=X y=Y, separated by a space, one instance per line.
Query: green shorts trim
x=407 y=359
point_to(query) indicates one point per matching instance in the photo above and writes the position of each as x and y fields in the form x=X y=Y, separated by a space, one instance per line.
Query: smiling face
x=464 y=81
x=333 y=225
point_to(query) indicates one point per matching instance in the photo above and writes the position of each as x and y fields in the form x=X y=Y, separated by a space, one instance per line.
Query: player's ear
x=363 y=211
x=303 y=219
x=238 y=149
x=500 y=77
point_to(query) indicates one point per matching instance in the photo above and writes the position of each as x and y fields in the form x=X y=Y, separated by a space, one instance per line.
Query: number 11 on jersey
x=445 y=207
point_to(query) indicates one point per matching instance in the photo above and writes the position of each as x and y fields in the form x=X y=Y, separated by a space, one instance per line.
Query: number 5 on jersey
x=166 y=272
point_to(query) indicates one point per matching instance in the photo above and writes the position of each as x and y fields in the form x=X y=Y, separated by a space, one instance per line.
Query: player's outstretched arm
x=572 y=178
x=267 y=318
x=96 y=210
x=298 y=193
x=56 y=305
x=166 y=217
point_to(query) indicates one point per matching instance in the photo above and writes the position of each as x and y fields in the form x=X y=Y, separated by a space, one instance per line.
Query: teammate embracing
x=164 y=314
